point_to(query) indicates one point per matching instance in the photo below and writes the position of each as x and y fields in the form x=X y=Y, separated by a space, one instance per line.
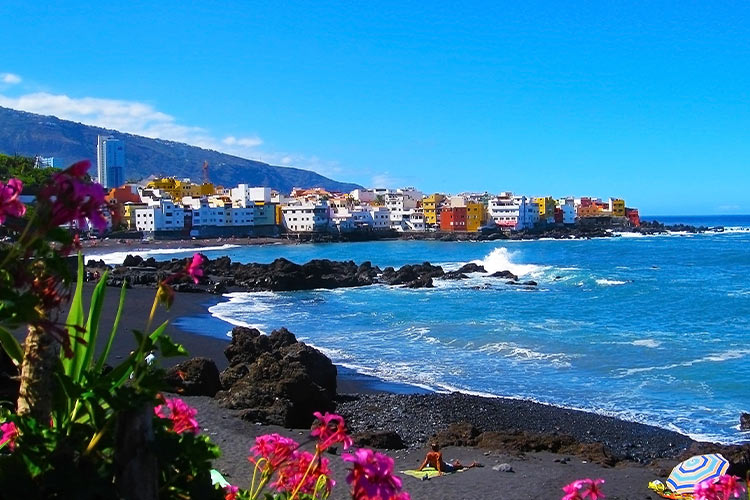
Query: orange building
x=453 y=219
x=116 y=199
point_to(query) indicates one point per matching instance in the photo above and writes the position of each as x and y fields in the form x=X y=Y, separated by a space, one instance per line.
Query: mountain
x=29 y=134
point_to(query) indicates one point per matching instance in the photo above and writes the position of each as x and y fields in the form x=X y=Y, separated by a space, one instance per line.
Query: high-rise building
x=110 y=161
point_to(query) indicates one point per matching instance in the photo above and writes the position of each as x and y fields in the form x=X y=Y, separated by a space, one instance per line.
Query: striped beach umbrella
x=695 y=470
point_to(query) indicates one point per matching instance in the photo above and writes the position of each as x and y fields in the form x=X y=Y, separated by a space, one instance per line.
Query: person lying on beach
x=434 y=459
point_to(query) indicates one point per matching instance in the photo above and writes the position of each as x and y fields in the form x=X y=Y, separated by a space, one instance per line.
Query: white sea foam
x=518 y=353
x=245 y=303
x=500 y=259
x=607 y=282
x=116 y=258
x=711 y=358
x=647 y=343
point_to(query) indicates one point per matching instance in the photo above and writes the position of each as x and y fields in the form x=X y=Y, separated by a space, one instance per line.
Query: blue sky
x=645 y=100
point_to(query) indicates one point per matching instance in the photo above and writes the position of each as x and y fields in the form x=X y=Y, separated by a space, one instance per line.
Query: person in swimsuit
x=434 y=459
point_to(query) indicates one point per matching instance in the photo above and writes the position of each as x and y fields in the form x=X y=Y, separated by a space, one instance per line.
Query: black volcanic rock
x=745 y=422
x=28 y=134
x=384 y=440
x=194 y=377
x=505 y=274
x=275 y=379
x=471 y=267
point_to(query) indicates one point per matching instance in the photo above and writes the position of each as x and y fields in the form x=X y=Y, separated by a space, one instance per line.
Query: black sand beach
x=546 y=446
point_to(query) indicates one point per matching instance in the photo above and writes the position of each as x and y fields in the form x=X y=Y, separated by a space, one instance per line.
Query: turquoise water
x=650 y=329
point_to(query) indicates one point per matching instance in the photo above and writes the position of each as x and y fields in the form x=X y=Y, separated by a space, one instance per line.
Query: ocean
x=652 y=329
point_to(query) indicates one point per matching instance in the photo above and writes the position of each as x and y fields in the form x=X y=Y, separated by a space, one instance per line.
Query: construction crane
x=204 y=169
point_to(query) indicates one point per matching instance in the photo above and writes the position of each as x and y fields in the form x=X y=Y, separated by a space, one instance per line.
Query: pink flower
x=371 y=476
x=181 y=415
x=583 y=488
x=230 y=492
x=723 y=488
x=72 y=198
x=591 y=489
x=10 y=433
x=276 y=449
x=194 y=268
x=9 y=202
x=293 y=472
x=330 y=429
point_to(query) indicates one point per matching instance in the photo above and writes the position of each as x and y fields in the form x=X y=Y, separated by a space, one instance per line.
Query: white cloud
x=10 y=78
x=143 y=119
x=248 y=142
x=385 y=180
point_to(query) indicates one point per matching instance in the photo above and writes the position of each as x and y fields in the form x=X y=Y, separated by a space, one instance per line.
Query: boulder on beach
x=384 y=440
x=194 y=377
x=276 y=379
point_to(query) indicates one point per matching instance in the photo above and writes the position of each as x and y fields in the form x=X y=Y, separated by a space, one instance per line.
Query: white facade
x=166 y=216
x=363 y=195
x=306 y=217
x=514 y=212
x=381 y=218
x=245 y=196
x=568 y=207
x=110 y=161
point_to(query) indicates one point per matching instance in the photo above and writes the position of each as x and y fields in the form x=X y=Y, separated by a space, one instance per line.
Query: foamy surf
x=501 y=259
x=116 y=258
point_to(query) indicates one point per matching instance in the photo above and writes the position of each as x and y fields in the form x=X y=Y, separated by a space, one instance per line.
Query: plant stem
x=37 y=375
x=307 y=472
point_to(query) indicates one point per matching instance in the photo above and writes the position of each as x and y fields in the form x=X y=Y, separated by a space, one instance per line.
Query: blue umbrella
x=695 y=470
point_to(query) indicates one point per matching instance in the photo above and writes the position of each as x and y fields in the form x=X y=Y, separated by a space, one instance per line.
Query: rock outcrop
x=276 y=379
x=194 y=377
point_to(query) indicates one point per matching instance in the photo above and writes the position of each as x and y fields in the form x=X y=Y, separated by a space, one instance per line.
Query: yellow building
x=475 y=216
x=128 y=213
x=546 y=208
x=617 y=207
x=430 y=206
x=178 y=189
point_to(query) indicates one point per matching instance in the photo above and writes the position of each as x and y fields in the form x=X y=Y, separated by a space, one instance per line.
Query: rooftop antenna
x=204 y=169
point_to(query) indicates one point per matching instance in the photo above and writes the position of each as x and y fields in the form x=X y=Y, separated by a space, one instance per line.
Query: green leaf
x=75 y=318
x=11 y=346
x=168 y=348
x=108 y=347
x=92 y=323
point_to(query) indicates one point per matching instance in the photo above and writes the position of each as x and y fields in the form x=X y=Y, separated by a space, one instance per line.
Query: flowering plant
x=79 y=426
x=583 y=488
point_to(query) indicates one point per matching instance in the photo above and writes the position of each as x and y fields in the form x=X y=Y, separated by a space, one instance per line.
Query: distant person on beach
x=434 y=459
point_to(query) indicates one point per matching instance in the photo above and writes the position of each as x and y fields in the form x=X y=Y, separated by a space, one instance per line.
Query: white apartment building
x=568 y=207
x=363 y=195
x=245 y=196
x=204 y=214
x=306 y=217
x=381 y=218
x=164 y=216
x=513 y=212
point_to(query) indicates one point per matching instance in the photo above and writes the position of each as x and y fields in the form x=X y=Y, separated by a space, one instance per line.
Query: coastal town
x=168 y=207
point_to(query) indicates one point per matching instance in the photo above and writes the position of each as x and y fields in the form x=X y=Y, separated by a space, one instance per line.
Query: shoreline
x=192 y=308
x=546 y=446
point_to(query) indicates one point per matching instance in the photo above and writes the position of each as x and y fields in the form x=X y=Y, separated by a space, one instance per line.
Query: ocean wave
x=518 y=353
x=718 y=357
x=647 y=343
x=501 y=259
x=116 y=258
x=608 y=282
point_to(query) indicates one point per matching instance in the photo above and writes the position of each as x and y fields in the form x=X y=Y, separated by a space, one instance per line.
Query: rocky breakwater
x=221 y=275
x=275 y=379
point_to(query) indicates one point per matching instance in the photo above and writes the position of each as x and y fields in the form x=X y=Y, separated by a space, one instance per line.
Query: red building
x=453 y=219
x=633 y=216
